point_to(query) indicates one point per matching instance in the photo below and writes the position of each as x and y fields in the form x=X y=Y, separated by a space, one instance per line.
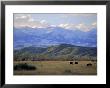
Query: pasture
x=58 y=68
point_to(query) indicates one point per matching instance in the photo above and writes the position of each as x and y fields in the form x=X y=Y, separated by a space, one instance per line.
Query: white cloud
x=31 y=19
x=43 y=21
x=83 y=27
x=94 y=24
x=53 y=25
x=26 y=20
x=80 y=26
x=68 y=26
x=22 y=17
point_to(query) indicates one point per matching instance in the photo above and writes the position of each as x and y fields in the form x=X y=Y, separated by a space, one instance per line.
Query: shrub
x=24 y=66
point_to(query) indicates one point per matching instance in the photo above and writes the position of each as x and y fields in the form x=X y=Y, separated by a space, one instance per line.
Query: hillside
x=56 y=52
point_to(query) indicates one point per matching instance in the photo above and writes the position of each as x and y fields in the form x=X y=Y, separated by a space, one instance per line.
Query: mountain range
x=43 y=37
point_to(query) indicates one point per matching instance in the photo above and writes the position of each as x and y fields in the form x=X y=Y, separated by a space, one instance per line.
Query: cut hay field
x=58 y=68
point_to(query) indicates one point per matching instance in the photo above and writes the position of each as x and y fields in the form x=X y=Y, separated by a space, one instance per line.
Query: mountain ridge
x=58 y=52
x=53 y=36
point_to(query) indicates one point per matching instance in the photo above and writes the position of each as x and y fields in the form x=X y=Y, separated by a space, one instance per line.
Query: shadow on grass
x=24 y=66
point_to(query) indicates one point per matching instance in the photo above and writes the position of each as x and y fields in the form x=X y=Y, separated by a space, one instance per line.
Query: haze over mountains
x=26 y=36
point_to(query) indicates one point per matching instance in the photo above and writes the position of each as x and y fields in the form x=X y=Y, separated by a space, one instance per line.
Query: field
x=58 y=68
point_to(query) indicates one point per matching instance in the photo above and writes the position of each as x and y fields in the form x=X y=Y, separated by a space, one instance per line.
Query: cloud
x=26 y=20
x=83 y=27
x=94 y=24
x=22 y=17
x=68 y=26
x=43 y=21
x=53 y=25
x=80 y=26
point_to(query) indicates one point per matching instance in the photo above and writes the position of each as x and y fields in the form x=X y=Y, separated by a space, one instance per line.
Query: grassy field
x=58 y=68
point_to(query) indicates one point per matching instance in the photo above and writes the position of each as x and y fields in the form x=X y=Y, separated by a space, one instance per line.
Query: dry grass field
x=58 y=68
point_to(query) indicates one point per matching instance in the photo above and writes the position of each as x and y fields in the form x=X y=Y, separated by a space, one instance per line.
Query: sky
x=74 y=21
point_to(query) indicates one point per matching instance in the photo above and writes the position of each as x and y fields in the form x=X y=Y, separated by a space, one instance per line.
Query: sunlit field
x=58 y=68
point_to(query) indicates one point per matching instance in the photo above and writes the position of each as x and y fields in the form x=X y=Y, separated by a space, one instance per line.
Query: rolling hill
x=56 y=52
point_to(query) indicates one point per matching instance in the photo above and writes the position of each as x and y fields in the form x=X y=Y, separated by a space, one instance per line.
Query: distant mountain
x=56 y=52
x=24 y=37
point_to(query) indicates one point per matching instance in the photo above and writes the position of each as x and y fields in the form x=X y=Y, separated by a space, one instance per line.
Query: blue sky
x=81 y=21
x=56 y=19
